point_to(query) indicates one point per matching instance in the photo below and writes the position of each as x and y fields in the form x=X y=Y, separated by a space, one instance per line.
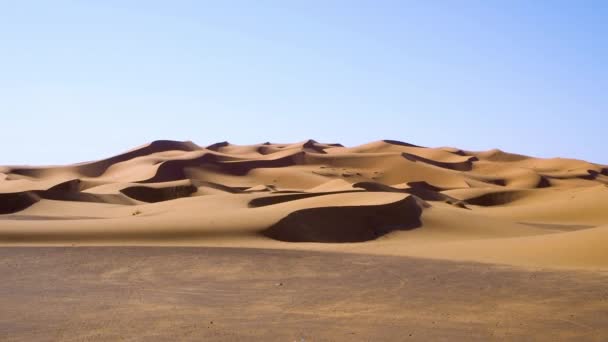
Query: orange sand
x=384 y=197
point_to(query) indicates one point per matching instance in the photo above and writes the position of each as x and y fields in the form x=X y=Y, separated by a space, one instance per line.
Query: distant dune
x=385 y=197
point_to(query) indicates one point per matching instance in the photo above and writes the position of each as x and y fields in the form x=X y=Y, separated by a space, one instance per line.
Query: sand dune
x=384 y=197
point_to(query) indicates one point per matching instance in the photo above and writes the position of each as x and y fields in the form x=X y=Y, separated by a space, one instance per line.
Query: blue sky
x=82 y=80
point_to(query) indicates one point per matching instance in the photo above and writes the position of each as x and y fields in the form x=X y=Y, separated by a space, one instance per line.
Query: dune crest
x=386 y=197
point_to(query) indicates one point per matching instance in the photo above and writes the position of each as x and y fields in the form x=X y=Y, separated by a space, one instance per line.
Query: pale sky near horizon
x=83 y=80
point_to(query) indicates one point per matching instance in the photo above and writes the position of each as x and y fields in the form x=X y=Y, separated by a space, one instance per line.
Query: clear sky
x=82 y=80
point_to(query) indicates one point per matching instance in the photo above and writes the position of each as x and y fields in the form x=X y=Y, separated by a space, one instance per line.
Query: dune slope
x=384 y=197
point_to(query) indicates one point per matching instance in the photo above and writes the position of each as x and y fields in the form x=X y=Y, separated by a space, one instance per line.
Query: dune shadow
x=347 y=224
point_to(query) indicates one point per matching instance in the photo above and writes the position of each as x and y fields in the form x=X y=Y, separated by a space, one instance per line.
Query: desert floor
x=207 y=294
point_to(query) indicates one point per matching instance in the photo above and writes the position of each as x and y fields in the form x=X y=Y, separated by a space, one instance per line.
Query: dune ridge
x=386 y=197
